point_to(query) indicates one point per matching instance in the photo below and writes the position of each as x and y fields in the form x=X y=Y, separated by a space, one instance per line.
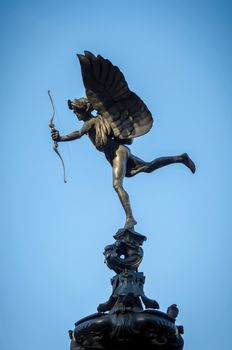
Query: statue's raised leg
x=148 y=167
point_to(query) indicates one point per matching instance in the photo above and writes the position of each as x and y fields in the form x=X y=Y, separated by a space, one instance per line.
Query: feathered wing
x=108 y=92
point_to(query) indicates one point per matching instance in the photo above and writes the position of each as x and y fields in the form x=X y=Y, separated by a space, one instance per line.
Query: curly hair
x=81 y=104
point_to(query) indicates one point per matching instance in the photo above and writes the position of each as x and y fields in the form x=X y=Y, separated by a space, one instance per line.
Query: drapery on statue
x=121 y=116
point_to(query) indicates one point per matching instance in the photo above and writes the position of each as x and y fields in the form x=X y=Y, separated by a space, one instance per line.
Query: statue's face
x=79 y=113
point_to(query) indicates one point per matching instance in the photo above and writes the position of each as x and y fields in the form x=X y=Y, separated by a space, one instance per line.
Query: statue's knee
x=116 y=185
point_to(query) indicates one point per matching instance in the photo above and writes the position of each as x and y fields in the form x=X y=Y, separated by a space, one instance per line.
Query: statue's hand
x=55 y=135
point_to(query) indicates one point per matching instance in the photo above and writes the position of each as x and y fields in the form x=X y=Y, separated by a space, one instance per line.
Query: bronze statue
x=121 y=116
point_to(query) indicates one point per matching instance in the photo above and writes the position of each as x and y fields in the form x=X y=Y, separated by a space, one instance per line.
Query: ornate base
x=121 y=323
x=145 y=330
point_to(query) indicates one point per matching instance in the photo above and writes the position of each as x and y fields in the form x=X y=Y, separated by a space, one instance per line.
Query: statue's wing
x=108 y=92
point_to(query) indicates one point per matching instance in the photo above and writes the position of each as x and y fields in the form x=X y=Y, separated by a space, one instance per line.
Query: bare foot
x=187 y=161
x=130 y=223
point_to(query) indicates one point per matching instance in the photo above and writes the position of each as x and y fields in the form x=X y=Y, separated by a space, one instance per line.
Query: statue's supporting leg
x=119 y=171
x=148 y=167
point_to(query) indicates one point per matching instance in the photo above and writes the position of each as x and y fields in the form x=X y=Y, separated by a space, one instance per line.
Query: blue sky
x=176 y=55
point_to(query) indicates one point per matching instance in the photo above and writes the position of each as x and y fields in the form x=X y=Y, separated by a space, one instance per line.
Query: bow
x=52 y=127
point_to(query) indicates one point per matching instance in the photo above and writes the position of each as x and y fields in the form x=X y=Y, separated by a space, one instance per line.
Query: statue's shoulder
x=91 y=122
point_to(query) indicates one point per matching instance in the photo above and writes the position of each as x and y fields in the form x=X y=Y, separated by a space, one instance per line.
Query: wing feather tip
x=88 y=54
x=80 y=56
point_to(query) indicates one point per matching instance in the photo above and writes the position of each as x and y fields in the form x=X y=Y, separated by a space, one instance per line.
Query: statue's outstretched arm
x=73 y=135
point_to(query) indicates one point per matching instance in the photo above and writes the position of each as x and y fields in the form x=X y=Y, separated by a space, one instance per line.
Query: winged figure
x=120 y=117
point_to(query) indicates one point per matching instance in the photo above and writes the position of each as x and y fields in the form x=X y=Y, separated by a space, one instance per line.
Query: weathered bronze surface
x=121 y=116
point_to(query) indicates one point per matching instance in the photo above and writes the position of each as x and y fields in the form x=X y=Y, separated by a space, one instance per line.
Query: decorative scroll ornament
x=52 y=127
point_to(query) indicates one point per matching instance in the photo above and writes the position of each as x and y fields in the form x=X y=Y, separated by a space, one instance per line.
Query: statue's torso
x=101 y=136
x=100 y=133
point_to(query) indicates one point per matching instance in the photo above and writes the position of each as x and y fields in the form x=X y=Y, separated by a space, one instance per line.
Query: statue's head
x=81 y=107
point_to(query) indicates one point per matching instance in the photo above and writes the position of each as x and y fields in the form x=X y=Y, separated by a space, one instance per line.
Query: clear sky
x=176 y=55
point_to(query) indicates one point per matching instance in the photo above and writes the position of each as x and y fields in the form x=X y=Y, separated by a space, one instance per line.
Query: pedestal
x=128 y=319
